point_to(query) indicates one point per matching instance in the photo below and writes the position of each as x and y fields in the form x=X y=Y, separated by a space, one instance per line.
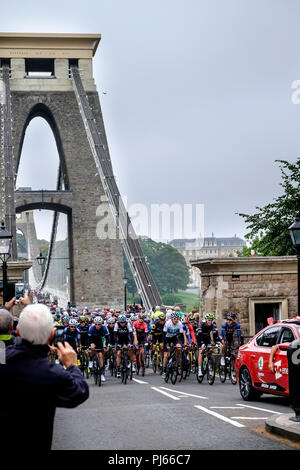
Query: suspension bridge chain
x=136 y=259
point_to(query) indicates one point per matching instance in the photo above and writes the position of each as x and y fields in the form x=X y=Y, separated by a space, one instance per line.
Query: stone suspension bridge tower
x=50 y=76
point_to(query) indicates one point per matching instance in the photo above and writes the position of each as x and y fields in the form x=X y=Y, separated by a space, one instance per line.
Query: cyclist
x=71 y=335
x=181 y=314
x=157 y=333
x=229 y=328
x=206 y=327
x=83 y=330
x=110 y=325
x=188 y=327
x=140 y=332
x=65 y=320
x=173 y=335
x=156 y=313
x=123 y=337
x=97 y=333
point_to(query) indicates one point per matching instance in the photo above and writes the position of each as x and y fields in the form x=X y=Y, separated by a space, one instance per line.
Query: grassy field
x=190 y=300
x=187 y=298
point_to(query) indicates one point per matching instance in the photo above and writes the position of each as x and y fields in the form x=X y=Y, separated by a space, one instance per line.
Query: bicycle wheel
x=155 y=363
x=147 y=361
x=111 y=364
x=174 y=370
x=95 y=370
x=204 y=369
x=168 y=370
x=138 y=363
x=211 y=370
x=222 y=371
x=99 y=376
x=232 y=371
x=86 y=368
x=142 y=365
x=124 y=371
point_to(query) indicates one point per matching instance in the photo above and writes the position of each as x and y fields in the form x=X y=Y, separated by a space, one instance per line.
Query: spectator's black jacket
x=31 y=388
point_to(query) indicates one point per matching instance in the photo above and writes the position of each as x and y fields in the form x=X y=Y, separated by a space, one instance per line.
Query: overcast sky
x=198 y=97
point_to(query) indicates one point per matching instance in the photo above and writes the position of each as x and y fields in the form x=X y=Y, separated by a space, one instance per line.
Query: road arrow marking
x=260 y=409
x=183 y=393
x=165 y=393
x=217 y=415
x=245 y=417
x=140 y=381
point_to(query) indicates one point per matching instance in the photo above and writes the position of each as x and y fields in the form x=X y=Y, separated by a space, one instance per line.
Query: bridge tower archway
x=52 y=97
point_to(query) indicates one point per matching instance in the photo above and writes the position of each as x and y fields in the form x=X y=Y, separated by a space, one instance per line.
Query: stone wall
x=236 y=284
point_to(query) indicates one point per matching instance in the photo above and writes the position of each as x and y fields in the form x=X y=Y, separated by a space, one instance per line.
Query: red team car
x=253 y=360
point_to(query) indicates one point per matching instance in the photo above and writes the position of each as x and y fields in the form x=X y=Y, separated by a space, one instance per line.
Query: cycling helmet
x=66 y=319
x=175 y=316
x=98 y=321
x=73 y=322
x=231 y=316
x=82 y=318
x=122 y=318
x=209 y=316
x=162 y=316
x=111 y=320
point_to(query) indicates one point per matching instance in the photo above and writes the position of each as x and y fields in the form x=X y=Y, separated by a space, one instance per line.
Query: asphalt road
x=147 y=414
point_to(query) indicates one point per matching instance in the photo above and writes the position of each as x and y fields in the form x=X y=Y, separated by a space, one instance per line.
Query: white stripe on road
x=183 y=393
x=139 y=381
x=260 y=409
x=165 y=393
x=217 y=415
x=245 y=417
x=225 y=408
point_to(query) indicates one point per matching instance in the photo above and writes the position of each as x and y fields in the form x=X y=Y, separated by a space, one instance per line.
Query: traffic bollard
x=293 y=356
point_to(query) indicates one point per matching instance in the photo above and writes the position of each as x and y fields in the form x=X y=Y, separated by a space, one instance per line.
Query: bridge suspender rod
x=136 y=259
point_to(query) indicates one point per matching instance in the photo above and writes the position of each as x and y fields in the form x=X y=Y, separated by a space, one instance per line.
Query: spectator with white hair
x=6 y=327
x=33 y=386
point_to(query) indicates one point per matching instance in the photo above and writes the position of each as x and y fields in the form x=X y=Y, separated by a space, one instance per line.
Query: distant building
x=207 y=247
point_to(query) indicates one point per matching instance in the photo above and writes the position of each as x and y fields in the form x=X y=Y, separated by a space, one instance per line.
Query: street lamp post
x=41 y=259
x=125 y=280
x=5 y=247
x=295 y=236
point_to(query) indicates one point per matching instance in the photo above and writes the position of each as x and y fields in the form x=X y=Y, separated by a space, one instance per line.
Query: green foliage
x=171 y=299
x=244 y=252
x=268 y=228
x=167 y=266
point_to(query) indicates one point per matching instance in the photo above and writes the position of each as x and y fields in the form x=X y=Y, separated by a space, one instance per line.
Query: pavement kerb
x=281 y=425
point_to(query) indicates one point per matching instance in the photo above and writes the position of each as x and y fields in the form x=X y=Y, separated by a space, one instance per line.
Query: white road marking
x=217 y=415
x=260 y=409
x=165 y=393
x=245 y=417
x=225 y=408
x=183 y=393
x=139 y=381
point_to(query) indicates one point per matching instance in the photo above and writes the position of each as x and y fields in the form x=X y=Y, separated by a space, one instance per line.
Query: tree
x=268 y=228
x=167 y=266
